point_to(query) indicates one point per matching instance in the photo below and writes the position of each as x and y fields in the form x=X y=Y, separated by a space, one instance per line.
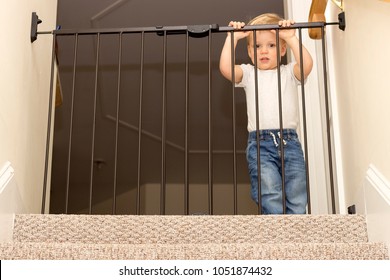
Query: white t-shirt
x=268 y=97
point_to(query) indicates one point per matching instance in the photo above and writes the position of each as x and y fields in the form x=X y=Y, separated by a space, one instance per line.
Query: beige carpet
x=281 y=237
x=190 y=229
x=235 y=251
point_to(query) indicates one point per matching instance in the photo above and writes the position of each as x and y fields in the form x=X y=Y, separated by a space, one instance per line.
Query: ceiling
x=107 y=156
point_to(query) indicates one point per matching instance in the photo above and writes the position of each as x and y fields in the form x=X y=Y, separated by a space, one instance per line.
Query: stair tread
x=228 y=251
x=132 y=229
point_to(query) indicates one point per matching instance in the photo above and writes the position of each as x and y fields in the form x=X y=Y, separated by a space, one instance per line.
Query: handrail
x=317 y=14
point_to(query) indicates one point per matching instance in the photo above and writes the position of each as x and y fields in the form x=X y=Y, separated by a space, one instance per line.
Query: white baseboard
x=377 y=202
x=6 y=174
x=6 y=216
x=376 y=180
x=6 y=227
x=10 y=197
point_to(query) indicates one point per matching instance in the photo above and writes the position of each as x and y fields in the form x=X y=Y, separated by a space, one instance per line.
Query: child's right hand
x=238 y=25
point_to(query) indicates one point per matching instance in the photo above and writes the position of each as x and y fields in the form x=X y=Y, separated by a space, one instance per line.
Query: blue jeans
x=271 y=171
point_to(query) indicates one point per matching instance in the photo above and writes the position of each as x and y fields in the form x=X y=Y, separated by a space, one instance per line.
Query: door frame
x=315 y=112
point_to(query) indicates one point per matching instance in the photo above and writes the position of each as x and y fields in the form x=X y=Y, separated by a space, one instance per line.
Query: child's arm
x=292 y=41
x=225 y=62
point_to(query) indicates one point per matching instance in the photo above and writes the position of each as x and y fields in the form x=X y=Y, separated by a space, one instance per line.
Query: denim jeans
x=271 y=171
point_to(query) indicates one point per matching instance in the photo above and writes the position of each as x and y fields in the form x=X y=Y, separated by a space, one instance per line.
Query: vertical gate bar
x=328 y=130
x=233 y=59
x=138 y=202
x=281 y=145
x=117 y=123
x=71 y=123
x=306 y=151
x=94 y=123
x=163 y=129
x=186 y=159
x=259 y=205
x=49 y=120
x=211 y=198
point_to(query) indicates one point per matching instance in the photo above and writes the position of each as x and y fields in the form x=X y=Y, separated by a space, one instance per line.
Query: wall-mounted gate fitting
x=34 y=26
x=342 y=22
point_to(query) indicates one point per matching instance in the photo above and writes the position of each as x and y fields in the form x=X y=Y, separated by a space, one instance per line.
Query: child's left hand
x=285 y=34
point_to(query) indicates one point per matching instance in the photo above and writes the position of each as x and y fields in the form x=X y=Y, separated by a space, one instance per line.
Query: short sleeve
x=290 y=68
x=246 y=70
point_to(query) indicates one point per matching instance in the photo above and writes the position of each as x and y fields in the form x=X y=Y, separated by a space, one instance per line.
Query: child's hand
x=238 y=25
x=286 y=34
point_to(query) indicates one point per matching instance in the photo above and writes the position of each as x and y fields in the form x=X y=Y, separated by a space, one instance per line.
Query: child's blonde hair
x=268 y=18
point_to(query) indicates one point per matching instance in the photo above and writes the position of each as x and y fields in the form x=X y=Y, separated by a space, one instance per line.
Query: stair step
x=242 y=251
x=131 y=229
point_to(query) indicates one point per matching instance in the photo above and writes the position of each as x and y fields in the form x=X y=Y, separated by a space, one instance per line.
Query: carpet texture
x=190 y=229
x=237 y=251
x=274 y=237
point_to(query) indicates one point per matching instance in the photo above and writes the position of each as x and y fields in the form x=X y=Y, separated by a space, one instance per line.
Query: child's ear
x=250 y=52
x=283 y=50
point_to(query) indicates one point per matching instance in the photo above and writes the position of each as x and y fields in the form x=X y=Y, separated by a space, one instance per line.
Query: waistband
x=265 y=133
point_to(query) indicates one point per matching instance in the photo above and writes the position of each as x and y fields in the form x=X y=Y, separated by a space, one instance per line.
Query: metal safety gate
x=198 y=31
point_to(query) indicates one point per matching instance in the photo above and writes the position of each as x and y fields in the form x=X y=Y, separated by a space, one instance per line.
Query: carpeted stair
x=92 y=237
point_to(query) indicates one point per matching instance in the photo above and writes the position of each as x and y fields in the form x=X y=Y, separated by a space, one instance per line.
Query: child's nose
x=263 y=49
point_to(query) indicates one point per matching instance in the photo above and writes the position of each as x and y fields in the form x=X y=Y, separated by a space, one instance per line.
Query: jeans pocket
x=251 y=152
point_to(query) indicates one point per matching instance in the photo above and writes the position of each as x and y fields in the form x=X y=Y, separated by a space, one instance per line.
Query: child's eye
x=272 y=45
x=258 y=46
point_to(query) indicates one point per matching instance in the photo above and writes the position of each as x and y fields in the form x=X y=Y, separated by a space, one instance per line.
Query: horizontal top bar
x=275 y=26
x=192 y=30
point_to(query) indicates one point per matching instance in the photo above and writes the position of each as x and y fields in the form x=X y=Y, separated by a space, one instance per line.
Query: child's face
x=266 y=50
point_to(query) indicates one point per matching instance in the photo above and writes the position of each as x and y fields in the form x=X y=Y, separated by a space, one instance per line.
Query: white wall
x=362 y=93
x=24 y=90
x=361 y=90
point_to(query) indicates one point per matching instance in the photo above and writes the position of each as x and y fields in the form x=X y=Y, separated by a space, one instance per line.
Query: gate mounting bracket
x=342 y=23
x=34 y=26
